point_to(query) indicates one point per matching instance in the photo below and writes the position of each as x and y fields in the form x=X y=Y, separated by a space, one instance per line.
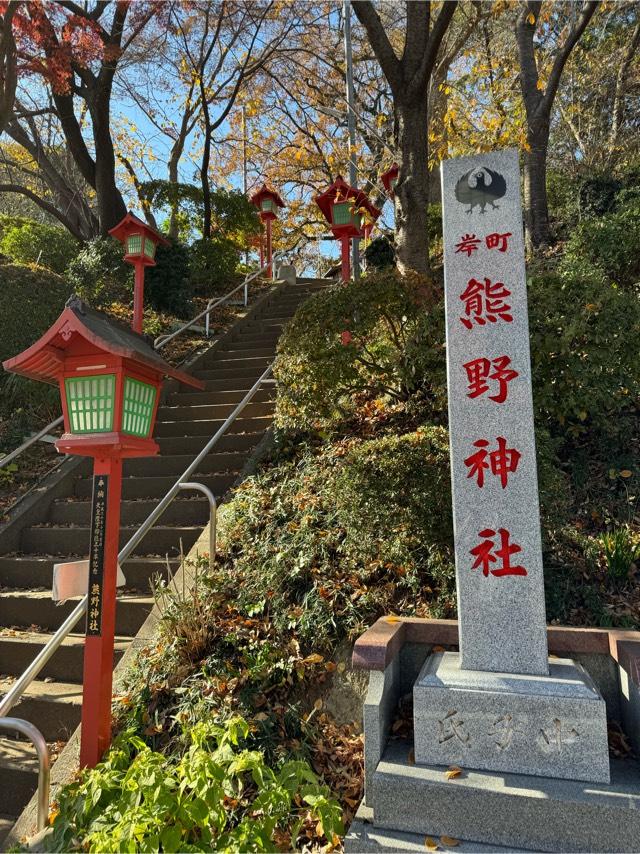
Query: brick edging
x=379 y=645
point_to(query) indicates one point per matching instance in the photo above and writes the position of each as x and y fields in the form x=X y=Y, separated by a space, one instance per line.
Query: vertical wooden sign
x=499 y=572
x=96 y=554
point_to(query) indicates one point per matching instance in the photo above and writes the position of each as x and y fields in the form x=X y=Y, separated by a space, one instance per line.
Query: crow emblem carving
x=480 y=187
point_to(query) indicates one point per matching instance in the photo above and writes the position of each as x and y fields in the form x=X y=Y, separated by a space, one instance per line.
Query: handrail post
x=213 y=517
x=44 y=762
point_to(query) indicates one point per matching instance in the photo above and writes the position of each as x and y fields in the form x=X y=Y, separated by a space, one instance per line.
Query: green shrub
x=99 y=274
x=585 y=359
x=213 y=262
x=380 y=253
x=8 y=222
x=611 y=242
x=382 y=337
x=310 y=537
x=37 y=243
x=621 y=548
x=167 y=286
x=218 y=796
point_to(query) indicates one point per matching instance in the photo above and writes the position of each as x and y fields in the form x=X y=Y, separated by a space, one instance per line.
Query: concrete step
x=177 y=463
x=241 y=371
x=224 y=360
x=209 y=427
x=239 y=350
x=192 y=445
x=27 y=608
x=157 y=487
x=181 y=511
x=26 y=572
x=216 y=396
x=238 y=385
x=262 y=337
x=213 y=411
x=18 y=651
x=75 y=540
x=54 y=707
x=6 y=823
x=18 y=774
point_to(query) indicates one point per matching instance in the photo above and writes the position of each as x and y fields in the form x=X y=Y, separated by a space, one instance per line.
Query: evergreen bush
x=99 y=274
x=37 y=243
x=168 y=284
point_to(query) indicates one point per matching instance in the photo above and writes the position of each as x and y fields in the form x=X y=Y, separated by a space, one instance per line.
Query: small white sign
x=71 y=580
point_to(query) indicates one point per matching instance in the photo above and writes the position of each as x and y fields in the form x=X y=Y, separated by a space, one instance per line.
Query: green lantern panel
x=267 y=205
x=149 y=247
x=342 y=215
x=137 y=407
x=134 y=244
x=90 y=403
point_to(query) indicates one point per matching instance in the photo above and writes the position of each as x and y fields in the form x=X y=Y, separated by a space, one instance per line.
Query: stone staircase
x=185 y=423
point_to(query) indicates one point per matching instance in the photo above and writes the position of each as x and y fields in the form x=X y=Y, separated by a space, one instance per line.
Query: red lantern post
x=110 y=381
x=267 y=201
x=342 y=207
x=140 y=242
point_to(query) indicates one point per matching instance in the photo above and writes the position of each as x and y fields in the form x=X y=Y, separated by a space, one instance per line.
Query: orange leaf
x=531 y=18
x=430 y=844
x=437 y=649
x=452 y=772
x=449 y=841
x=625 y=473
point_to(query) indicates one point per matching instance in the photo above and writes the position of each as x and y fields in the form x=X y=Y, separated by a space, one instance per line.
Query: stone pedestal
x=551 y=726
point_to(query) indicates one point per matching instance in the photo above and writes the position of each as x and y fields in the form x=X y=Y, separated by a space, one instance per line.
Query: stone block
x=513 y=810
x=544 y=725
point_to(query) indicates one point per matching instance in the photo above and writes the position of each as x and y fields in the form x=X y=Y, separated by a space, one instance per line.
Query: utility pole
x=351 y=124
x=244 y=170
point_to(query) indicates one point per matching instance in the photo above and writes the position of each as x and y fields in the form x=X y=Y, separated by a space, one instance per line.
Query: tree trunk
x=111 y=206
x=536 y=210
x=412 y=188
x=174 y=159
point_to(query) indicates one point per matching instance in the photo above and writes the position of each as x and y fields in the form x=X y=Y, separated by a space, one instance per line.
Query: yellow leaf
x=540 y=85
x=625 y=473
x=342 y=667
x=430 y=844
x=318 y=704
x=531 y=18
x=452 y=772
x=449 y=841
x=582 y=415
x=314 y=658
x=392 y=619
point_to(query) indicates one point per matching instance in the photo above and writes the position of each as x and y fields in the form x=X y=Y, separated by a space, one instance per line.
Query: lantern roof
x=79 y=323
x=390 y=175
x=341 y=191
x=130 y=224
x=266 y=193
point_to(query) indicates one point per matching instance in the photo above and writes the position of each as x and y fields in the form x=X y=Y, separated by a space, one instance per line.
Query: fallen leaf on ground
x=452 y=772
x=392 y=619
x=430 y=844
x=449 y=841
x=411 y=758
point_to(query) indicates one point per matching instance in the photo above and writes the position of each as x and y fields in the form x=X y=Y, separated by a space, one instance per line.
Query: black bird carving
x=480 y=187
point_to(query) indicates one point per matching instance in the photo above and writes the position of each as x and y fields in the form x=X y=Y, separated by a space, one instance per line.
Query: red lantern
x=390 y=179
x=140 y=242
x=110 y=381
x=343 y=207
x=267 y=201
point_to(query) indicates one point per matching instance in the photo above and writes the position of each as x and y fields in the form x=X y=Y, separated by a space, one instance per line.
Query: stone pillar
x=497 y=705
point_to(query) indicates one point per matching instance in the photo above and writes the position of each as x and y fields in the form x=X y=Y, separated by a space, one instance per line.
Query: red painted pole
x=261 y=250
x=138 y=298
x=346 y=260
x=269 y=255
x=101 y=611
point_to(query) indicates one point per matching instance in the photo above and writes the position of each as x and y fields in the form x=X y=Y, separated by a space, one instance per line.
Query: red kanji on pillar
x=482 y=369
x=484 y=301
x=469 y=244
x=498 y=241
x=502 y=462
x=487 y=554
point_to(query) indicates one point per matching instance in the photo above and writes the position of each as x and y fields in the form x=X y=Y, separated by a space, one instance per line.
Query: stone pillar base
x=550 y=726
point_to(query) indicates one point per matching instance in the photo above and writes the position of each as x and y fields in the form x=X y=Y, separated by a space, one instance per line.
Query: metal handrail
x=47 y=651
x=32 y=440
x=44 y=762
x=161 y=340
x=213 y=517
